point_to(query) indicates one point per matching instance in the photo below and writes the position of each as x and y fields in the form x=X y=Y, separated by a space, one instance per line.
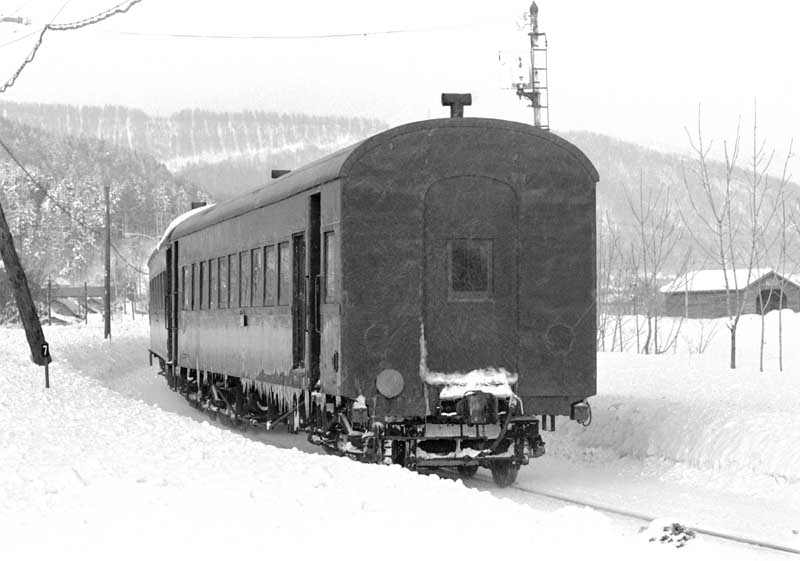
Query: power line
x=275 y=37
x=175 y=35
x=118 y=9
x=19 y=39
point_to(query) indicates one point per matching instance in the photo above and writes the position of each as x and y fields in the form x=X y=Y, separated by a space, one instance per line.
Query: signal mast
x=535 y=90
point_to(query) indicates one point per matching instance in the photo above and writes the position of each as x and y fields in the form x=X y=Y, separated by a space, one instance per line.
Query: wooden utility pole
x=49 y=301
x=40 y=350
x=107 y=289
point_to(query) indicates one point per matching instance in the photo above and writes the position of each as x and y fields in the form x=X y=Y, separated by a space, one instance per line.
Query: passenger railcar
x=424 y=297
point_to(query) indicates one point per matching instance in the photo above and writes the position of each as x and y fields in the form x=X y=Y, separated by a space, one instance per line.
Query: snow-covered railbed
x=682 y=434
x=86 y=472
x=96 y=467
x=740 y=422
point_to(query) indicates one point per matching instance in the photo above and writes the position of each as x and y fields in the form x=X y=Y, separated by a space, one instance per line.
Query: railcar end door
x=470 y=275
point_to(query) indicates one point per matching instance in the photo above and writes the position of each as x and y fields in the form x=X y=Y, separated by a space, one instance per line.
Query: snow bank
x=692 y=408
x=86 y=472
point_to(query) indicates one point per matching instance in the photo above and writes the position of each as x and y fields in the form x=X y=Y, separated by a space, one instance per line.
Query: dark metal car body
x=399 y=266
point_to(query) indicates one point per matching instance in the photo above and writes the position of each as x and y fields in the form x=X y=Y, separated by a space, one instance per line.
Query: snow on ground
x=87 y=472
x=109 y=462
x=683 y=433
x=695 y=410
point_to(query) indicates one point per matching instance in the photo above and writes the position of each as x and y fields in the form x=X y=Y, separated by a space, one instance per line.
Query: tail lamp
x=581 y=412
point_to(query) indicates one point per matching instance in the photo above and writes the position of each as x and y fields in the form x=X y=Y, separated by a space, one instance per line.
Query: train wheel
x=504 y=473
x=467 y=471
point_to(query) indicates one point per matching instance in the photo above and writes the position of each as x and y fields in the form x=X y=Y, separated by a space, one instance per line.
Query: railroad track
x=745 y=540
x=646 y=517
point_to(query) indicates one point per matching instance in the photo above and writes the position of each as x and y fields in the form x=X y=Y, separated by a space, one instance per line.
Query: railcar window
x=270 y=275
x=193 y=288
x=202 y=296
x=284 y=274
x=183 y=289
x=257 y=260
x=233 y=269
x=223 y=282
x=330 y=267
x=213 y=286
x=245 y=278
x=470 y=268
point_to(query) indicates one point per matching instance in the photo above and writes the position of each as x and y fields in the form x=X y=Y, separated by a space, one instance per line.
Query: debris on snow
x=666 y=530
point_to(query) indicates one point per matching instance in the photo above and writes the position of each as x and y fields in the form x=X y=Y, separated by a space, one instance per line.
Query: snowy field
x=91 y=468
x=691 y=408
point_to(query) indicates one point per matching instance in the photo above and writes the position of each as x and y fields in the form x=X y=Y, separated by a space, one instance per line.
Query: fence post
x=49 y=297
x=86 y=302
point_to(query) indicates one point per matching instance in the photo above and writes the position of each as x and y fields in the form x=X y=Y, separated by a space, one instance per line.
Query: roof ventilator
x=456 y=102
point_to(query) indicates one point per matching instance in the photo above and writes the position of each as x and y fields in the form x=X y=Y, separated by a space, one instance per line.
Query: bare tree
x=607 y=256
x=783 y=269
x=761 y=217
x=735 y=240
x=658 y=233
x=611 y=278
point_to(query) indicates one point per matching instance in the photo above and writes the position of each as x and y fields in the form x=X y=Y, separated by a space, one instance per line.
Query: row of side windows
x=258 y=277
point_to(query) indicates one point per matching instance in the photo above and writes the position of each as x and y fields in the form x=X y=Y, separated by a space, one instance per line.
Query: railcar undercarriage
x=476 y=430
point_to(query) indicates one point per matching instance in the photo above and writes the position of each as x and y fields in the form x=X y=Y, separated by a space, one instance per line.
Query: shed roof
x=713 y=280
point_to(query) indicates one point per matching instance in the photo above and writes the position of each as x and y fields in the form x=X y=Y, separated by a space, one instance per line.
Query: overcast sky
x=637 y=70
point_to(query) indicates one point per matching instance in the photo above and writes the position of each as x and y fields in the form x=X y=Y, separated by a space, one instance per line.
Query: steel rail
x=605 y=508
x=648 y=517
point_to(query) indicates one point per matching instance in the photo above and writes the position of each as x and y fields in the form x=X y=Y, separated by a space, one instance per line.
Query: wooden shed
x=702 y=294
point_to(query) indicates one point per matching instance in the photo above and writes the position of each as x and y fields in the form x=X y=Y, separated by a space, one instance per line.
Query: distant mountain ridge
x=229 y=153
x=622 y=165
x=225 y=153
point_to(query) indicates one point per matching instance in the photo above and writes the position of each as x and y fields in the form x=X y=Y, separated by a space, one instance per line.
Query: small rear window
x=470 y=268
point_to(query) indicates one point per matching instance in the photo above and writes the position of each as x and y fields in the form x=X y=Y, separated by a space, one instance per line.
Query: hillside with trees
x=58 y=224
x=225 y=153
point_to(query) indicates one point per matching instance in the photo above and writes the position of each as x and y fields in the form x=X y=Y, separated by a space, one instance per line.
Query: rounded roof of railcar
x=338 y=164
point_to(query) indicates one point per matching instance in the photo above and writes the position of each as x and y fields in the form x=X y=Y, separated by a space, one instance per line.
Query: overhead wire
x=285 y=37
x=19 y=39
x=118 y=9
